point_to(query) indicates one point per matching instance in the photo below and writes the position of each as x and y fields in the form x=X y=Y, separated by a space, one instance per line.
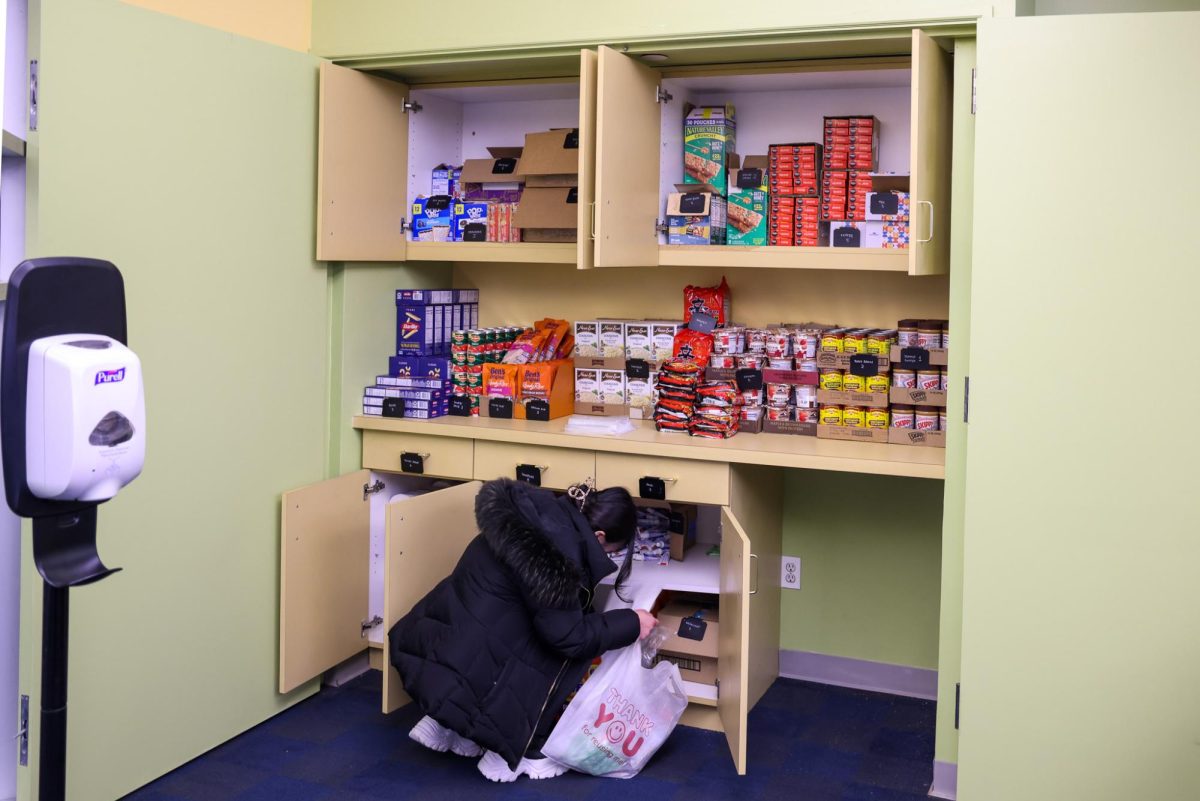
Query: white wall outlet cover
x=789 y=578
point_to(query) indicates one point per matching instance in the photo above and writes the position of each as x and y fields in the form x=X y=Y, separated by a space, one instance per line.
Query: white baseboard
x=859 y=674
x=945 y=781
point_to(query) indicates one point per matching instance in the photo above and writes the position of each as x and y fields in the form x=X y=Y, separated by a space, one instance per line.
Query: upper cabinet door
x=628 y=136
x=1079 y=639
x=733 y=645
x=932 y=116
x=323 y=584
x=362 y=167
x=426 y=536
x=587 y=159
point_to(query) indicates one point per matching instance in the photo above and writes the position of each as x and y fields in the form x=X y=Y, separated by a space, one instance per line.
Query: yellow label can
x=831 y=415
x=853 y=383
x=831 y=379
x=854 y=417
x=877 y=418
x=877 y=383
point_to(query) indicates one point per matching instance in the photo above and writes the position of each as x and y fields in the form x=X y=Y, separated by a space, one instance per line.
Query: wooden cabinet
x=684 y=480
x=558 y=468
x=444 y=457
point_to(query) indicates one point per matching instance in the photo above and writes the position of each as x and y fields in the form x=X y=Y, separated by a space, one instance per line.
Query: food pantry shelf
x=697 y=572
x=788 y=258
x=515 y=252
x=778 y=450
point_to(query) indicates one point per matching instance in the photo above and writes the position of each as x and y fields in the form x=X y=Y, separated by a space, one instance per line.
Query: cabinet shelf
x=776 y=450
x=786 y=258
x=697 y=572
x=514 y=252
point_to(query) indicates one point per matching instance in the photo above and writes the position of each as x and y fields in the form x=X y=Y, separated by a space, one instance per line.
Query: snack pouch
x=711 y=300
x=537 y=379
x=693 y=346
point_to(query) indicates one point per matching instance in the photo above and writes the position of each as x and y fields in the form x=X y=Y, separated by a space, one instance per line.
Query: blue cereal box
x=431 y=218
x=469 y=223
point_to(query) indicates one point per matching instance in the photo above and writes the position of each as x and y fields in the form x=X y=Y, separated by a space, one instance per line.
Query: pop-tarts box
x=446 y=180
x=469 y=223
x=431 y=218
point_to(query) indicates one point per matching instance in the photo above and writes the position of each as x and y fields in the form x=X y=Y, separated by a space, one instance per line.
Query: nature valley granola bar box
x=709 y=143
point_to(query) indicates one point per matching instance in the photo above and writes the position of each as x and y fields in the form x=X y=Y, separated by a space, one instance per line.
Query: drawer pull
x=754 y=591
x=541 y=467
x=411 y=462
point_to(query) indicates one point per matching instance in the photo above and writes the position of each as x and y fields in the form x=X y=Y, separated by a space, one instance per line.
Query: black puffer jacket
x=493 y=650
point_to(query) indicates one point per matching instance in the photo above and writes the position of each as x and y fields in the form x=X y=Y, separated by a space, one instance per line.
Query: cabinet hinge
x=660 y=226
x=33 y=94
x=404 y=226
x=369 y=624
x=972 y=90
x=957 y=689
x=23 y=734
x=966 y=398
x=662 y=95
x=371 y=489
x=411 y=106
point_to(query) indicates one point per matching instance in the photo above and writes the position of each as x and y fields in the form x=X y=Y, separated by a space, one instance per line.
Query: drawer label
x=530 y=474
x=652 y=488
x=501 y=408
x=412 y=462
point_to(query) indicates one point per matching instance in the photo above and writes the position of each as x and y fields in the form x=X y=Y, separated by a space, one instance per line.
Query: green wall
x=185 y=156
x=870 y=553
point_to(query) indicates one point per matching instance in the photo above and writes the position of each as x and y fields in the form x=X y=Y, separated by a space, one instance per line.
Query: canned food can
x=926 y=418
x=807 y=365
x=945 y=382
x=877 y=383
x=780 y=364
x=805 y=395
x=880 y=342
x=854 y=342
x=877 y=418
x=852 y=382
x=812 y=415
x=902 y=416
x=475 y=336
x=458 y=337
x=756 y=340
x=831 y=415
x=474 y=380
x=831 y=379
x=854 y=417
x=942 y=419
x=779 y=394
x=722 y=361
x=777 y=413
x=459 y=357
x=750 y=361
x=929 y=379
x=805 y=344
x=833 y=341
x=905 y=379
x=777 y=344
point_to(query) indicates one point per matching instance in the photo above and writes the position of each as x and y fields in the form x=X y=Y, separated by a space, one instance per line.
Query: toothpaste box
x=587 y=385
x=709 y=143
x=470 y=221
x=587 y=338
x=662 y=335
x=638 y=341
x=431 y=218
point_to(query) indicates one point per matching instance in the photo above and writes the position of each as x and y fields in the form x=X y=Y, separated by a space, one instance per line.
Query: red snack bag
x=712 y=300
x=693 y=346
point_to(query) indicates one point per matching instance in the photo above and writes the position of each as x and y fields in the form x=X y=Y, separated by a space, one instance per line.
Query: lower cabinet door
x=425 y=536
x=734 y=643
x=323 y=557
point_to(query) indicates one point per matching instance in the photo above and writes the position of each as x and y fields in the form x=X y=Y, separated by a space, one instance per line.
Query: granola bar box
x=709 y=144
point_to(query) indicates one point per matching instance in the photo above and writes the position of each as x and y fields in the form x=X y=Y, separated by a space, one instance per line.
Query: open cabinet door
x=362 y=167
x=1080 y=638
x=732 y=671
x=932 y=130
x=425 y=537
x=586 y=248
x=324 y=555
x=627 y=152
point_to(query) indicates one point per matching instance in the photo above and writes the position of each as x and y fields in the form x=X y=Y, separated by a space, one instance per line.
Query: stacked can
x=470 y=350
x=874 y=341
x=930 y=335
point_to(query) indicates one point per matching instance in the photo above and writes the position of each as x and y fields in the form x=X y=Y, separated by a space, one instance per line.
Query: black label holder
x=654 y=488
x=531 y=473
x=413 y=462
x=537 y=409
x=864 y=364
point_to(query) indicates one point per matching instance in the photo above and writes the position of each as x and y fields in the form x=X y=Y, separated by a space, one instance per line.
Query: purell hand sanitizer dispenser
x=72 y=434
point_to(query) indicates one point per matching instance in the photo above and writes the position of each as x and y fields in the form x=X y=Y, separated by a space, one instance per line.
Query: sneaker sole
x=432 y=740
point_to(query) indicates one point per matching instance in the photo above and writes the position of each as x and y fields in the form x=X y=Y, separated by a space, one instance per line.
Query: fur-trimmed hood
x=543 y=539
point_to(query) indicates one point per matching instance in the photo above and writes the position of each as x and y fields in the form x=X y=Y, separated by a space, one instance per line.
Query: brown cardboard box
x=854 y=434
x=547 y=215
x=547 y=161
x=918 y=397
x=484 y=172
x=938 y=357
x=683 y=529
x=841 y=361
x=834 y=397
x=601 y=410
x=907 y=436
x=600 y=362
x=789 y=427
x=697 y=659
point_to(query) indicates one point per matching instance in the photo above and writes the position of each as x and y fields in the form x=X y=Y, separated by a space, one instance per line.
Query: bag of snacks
x=537 y=379
x=711 y=300
x=693 y=346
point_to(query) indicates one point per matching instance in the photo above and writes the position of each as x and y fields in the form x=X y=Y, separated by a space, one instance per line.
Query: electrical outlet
x=790 y=578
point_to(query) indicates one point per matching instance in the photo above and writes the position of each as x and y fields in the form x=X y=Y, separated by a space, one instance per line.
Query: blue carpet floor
x=808 y=742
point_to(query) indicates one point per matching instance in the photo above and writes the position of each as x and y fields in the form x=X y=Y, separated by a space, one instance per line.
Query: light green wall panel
x=1046 y=7
x=1080 y=633
x=870 y=551
x=185 y=156
x=382 y=27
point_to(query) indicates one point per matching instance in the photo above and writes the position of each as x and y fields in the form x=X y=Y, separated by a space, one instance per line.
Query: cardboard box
x=601 y=410
x=550 y=158
x=697 y=659
x=748 y=211
x=493 y=178
x=416 y=297
x=789 y=427
x=663 y=335
x=908 y=436
x=696 y=216
x=600 y=362
x=682 y=529
x=874 y=234
x=938 y=357
x=879 y=435
x=918 y=397
x=562 y=394
x=638 y=341
x=841 y=361
x=432 y=217
x=833 y=397
x=791 y=377
x=418 y=332
x=641 y=396
x=887 y=206
x=470 y=221
x=548 y=215
x=751 y=174
x=587 y=338
x=709 y=139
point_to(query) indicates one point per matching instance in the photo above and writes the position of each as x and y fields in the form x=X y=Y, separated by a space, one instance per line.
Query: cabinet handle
x=754 y=591
x=422 y=455
x=541 y=467
x=928 y=203
x=663 y=478
x=593 y=205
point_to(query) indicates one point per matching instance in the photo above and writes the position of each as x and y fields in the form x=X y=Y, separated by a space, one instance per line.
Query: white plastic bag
x=620 y=716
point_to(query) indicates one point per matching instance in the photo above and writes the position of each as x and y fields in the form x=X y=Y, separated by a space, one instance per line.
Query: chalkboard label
x=692 y=628
x=530 y=474
x=393 y=407
x=504 y=166
x=460 y=406
x=847 y=237
x=571 y=141
x=864 y=364
x=751 y=178
x=885 y=203
x=412 y=462
x=703 y=322
x=914 y=358
x=693 y=203
x=500 y=407
x=651 y=488
x=749 y=379
x=573 y=194
x=538 y=409
x=637 y=368
x=438 y=202
x=475 y=232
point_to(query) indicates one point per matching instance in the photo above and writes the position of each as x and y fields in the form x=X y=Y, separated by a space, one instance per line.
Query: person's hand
x=647 y=621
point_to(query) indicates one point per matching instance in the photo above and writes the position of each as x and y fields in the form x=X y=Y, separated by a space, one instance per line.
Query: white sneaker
x=434 y=736
x=494 y=768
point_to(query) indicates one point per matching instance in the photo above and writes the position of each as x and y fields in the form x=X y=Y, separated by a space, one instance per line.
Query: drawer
x=446 y=457
x=694 y=481
x=561 y=467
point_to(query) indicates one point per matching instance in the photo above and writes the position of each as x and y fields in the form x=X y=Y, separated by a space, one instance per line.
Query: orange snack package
x=538 y=379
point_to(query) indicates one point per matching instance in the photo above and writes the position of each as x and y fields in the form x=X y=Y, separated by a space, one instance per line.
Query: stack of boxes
x=603 y=350
x=851 y=155
x=696 y=211
x=549 y=208
x=795 y=173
